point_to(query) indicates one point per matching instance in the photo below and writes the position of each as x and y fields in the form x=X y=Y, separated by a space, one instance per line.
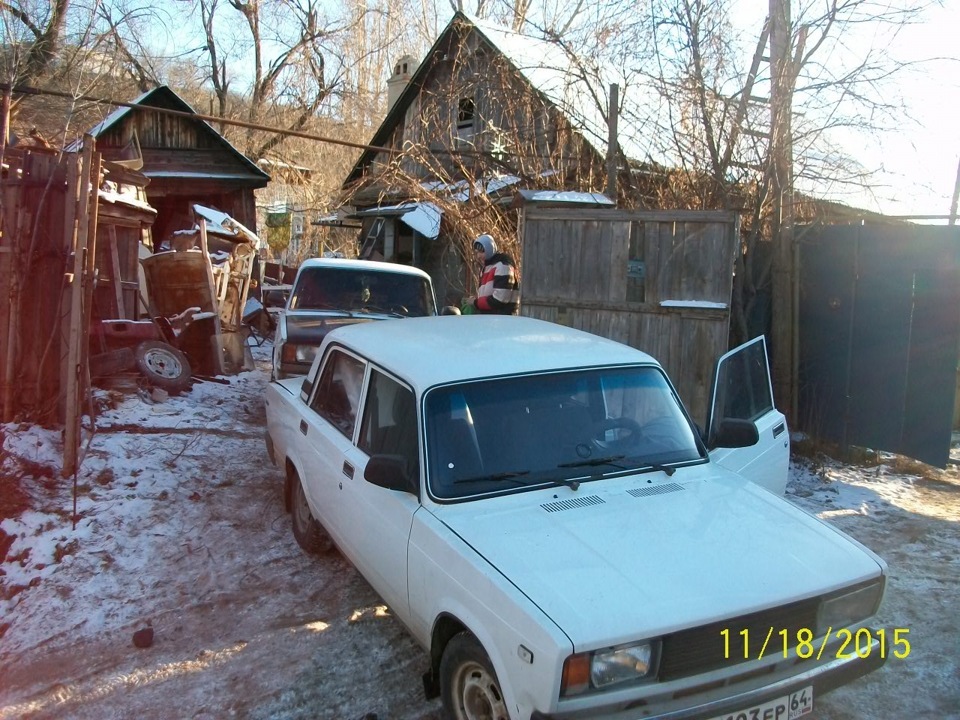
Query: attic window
x=465 y=112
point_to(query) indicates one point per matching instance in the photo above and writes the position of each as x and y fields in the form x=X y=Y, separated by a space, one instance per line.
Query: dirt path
x=188 y=535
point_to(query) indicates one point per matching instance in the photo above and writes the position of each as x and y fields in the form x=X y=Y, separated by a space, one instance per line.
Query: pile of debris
x=196 y=295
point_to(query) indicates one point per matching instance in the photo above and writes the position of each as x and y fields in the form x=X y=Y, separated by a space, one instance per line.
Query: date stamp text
x=844 y=644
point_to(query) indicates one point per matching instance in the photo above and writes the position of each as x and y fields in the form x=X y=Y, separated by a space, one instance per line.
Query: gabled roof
x=165 y=98
x=576 y=89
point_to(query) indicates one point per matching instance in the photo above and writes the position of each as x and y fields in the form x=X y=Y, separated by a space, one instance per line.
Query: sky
x=917 y=161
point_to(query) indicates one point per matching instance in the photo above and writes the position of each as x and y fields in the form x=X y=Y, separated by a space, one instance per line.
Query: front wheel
x=468 y=684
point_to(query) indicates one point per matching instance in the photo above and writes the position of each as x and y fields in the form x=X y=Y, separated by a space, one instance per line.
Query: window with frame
x=466 y=111
x=742 y=387
x=389 y=425
x=337 y=398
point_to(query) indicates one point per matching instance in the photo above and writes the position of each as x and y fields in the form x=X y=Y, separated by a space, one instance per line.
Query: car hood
x=310 y=327
x=609 y=565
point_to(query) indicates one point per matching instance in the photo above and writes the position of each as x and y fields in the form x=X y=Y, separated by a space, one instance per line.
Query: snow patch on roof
x=463 y=190
x=425 y=219
x=223 y=224
x=111 y=192
x=567 y=196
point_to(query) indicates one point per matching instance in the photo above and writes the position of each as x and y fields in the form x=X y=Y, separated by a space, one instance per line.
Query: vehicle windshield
x=509 y=434
x=350 y=290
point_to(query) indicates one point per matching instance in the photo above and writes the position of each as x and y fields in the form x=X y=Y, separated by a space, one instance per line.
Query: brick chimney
x=403 y=70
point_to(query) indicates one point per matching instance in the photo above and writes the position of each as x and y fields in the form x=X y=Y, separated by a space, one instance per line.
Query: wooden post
x=204 y=249
x=218 y=350
x=71 y=440
x=93 y=217
x=14 y=226
x=956 y=198
x=115 y=279
x=781 y=169
x=612 y=132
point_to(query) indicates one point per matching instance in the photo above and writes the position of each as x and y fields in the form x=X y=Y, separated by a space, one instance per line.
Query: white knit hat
x=487 y=244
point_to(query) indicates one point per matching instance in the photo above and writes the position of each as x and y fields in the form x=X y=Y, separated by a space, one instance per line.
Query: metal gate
x=880 y=336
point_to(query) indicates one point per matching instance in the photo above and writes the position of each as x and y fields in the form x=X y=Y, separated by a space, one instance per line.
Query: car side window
x=743 y=384
x=389 y=424
x=338 y=396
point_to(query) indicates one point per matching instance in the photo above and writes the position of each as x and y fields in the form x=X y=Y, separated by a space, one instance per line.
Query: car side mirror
x=390 y=472
x=734 y=433
x=305 y=389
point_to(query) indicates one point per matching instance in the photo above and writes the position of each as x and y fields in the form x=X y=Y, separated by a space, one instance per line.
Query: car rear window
x=330 y=288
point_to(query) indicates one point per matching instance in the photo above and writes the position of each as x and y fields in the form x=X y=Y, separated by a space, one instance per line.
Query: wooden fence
x=48 y=220
x=658 y=281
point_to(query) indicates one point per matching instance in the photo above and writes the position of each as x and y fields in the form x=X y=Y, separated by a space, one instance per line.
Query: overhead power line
x=27 y=90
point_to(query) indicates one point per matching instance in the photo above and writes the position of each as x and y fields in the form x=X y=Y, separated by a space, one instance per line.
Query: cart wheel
x=163 y=365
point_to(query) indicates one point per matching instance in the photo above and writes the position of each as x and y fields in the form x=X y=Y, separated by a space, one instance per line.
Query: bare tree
x=287 y=86
x=711 y=86
x=38 y=29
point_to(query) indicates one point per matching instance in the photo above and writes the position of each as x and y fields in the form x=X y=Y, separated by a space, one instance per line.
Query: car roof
x=369 y=265
x=432 y=350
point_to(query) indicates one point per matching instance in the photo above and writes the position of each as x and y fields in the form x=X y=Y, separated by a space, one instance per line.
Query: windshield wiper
x=368 y=308
x=593 y=462
x=655 y=467
x=508 y=475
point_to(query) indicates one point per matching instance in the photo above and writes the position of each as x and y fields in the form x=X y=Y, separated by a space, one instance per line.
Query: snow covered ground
x=180 y=529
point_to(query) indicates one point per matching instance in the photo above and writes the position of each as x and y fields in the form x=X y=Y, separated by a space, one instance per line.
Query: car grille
x=701 y=649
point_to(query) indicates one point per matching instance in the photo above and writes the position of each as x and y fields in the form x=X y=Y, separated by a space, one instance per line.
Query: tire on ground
x=163 y=365
x=468 y=683
x=309 y=533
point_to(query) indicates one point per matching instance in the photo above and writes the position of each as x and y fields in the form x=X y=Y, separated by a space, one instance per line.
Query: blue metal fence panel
x=880 y=336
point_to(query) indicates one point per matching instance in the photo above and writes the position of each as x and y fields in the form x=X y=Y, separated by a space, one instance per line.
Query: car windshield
x=510 y=434
x=351 y=290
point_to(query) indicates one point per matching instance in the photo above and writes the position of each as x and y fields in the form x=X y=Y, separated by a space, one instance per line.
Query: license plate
x=788 y=707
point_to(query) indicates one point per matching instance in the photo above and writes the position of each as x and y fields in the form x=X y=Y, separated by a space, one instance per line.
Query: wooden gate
x=658 y=281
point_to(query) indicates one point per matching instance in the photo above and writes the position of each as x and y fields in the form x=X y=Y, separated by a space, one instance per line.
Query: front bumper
x=823 y=677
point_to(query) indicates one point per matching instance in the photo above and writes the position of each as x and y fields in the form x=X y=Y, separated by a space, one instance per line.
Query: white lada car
x=537 y=507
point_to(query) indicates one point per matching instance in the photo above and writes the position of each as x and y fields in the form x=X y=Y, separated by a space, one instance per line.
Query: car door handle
x=778 y=429
x=303 y=426
x=348 y=469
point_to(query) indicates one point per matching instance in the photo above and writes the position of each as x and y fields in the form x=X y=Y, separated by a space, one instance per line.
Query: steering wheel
x=634 y=432
x=662 y=431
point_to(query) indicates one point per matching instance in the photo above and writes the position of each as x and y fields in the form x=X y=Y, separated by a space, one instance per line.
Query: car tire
x=468 y=683
x=163 y=365
x=309 y=533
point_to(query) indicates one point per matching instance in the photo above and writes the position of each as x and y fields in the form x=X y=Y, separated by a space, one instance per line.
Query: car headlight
x=298 y=353
x=849 y=608
x=602 y=668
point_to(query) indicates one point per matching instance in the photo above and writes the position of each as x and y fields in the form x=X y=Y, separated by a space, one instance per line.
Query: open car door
x=742 y=393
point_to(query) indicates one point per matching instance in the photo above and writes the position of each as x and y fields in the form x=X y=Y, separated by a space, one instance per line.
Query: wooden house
x=185 y=160
x=501 y=132
x=488 y=111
